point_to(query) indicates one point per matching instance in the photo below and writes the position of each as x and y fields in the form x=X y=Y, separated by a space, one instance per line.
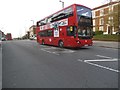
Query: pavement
x=107 y=44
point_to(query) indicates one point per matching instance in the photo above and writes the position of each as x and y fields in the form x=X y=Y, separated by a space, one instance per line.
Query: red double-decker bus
x=69 y=27
x=8 y=36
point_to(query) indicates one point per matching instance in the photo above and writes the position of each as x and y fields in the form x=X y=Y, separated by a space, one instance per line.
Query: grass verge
x=107 y=37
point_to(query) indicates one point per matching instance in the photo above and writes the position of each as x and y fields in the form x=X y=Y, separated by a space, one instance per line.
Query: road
x=0 y=64
x=26 y=64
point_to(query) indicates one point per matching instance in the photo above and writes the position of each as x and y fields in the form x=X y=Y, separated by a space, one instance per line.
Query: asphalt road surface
x=26 y=64
x=0 y=65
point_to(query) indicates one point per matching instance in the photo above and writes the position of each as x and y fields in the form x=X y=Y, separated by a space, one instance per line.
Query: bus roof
x=65 y=8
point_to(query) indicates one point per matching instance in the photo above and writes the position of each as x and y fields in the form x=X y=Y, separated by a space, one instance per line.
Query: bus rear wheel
x=61 y=44
x=43 y=42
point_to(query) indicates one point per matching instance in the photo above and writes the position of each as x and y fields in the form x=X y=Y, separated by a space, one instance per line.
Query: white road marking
x=56 y=50
x=68 y=51
x=80 y=60
x=103 y=60
x=63 y=50
x=46 y=46
x=111 y=48
x=107 y=48
x=50 y=48
x=50 y=52
x=102 y=56
x=100 y=66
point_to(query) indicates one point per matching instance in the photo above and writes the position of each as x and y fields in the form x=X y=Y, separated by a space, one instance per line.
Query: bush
x=98 y=32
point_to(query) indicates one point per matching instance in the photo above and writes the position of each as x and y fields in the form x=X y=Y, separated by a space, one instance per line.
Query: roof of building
x=111 y=3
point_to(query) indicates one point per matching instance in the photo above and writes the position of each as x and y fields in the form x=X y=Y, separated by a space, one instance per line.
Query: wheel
x=43 y=42
x=61 y=44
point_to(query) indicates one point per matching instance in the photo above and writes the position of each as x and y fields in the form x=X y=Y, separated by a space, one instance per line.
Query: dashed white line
x=56 y=50
x=102 y=56
x=99 y=60
x=68 y=51
x=50 y=52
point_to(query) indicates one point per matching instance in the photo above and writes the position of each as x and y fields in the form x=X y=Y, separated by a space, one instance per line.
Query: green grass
x=106 y=37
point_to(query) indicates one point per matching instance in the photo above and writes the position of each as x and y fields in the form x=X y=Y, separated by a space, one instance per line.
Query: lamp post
x=32 y=21
x=33 y=33
x=62 y=3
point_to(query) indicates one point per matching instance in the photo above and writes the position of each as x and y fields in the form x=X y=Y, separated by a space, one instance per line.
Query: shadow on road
x=70 y=48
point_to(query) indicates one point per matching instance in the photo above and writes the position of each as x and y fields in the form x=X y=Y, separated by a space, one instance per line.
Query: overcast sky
x=16 y=15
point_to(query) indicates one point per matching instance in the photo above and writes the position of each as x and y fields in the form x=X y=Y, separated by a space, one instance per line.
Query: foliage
x=113 y=17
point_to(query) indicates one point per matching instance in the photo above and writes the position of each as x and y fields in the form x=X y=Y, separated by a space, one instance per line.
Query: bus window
x=84 y=31
x=49 y=33
x=63 y=14
x=46 y=33
x=43 y=34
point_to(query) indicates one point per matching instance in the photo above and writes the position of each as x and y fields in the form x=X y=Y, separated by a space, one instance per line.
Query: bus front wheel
x=61 y=44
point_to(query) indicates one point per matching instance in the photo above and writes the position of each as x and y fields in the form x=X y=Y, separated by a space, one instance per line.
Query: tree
x=113 y=20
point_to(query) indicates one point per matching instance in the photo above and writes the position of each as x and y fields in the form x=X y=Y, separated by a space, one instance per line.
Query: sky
x=16 y=16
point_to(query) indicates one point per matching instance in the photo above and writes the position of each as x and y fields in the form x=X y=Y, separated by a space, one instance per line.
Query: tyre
x=61 y=44
x=43 y=42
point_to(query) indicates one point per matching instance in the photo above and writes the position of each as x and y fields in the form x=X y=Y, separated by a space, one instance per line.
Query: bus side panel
x=49 y=40
x=62 y=34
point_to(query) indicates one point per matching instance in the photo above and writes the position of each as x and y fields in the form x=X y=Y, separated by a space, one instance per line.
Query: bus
x=8 y=36
x=69 y=27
